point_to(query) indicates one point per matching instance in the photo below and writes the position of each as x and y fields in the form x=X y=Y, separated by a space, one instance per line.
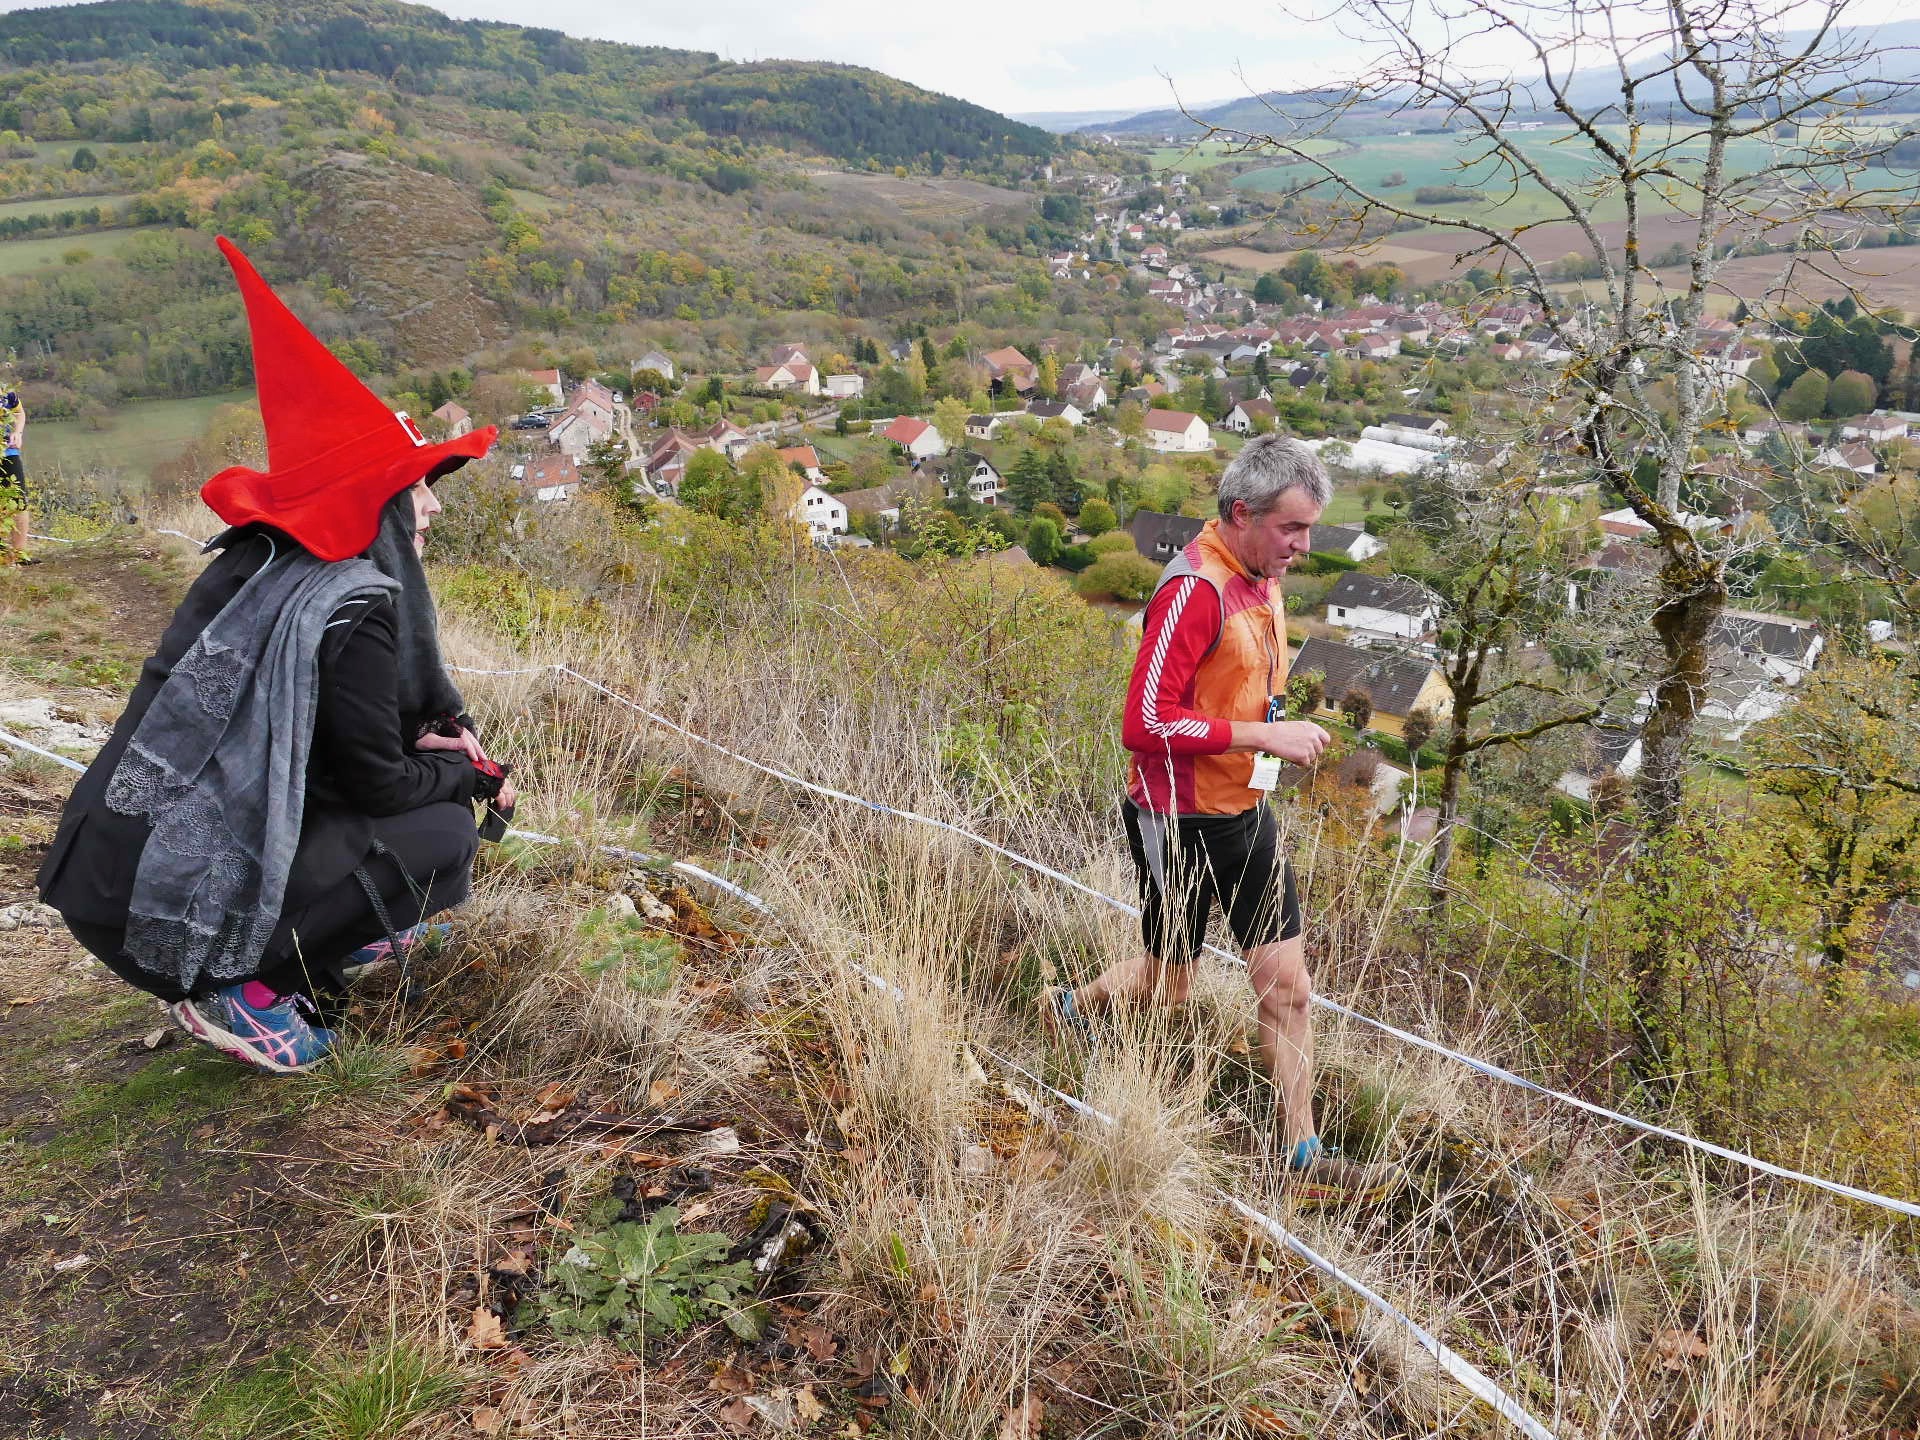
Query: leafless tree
x=1714 y=116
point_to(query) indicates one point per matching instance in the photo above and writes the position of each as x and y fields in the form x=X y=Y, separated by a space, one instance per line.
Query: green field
x=138 y=436
x=20 y=209
x=1437 y=160
x=21 y=257
x=1204 y=154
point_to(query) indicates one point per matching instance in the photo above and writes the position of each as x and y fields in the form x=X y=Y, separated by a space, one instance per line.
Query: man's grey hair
x=1267 y=467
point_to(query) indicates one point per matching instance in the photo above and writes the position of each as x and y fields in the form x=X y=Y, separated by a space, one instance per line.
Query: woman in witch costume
x=294 y=775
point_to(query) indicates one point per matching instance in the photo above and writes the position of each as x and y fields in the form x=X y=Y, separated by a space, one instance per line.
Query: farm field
x=1421 y=160
x=1886 y=277
x=19 y=257
x=21 y=209
x=1205 y=154
x=139 y=435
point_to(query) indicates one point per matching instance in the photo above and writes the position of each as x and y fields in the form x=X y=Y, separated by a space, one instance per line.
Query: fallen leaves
x=487 y=1420
x=486 y=1332
x=1022 y=1419
x=1676 y=1347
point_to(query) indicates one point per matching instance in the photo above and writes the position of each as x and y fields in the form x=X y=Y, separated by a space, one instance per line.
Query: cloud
x=994 y=53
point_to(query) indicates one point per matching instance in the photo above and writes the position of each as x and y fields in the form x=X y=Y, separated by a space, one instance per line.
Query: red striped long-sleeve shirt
x=1160 y=726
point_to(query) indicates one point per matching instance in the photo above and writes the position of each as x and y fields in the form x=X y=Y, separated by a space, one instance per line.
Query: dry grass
x=985 y=1248
x=990 y=1257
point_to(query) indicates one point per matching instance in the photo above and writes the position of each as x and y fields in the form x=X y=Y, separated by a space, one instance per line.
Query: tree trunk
x=1695 y=594
x=1450 y=777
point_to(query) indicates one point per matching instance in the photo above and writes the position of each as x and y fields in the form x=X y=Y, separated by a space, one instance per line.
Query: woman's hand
x=504 y=801
x=466 y=742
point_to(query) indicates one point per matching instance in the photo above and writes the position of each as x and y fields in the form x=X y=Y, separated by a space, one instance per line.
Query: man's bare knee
x=1280 y=977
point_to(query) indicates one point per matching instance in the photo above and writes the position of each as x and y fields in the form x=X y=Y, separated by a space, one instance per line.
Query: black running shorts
x=13 y=482
x=1187 y=862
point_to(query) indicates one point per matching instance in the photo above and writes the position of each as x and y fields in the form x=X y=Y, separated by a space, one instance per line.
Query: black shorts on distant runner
x=13 y=482
x=1187 y=862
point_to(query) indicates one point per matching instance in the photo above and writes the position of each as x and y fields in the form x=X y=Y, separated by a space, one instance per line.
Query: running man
x=13 y=480
x=1213 y=654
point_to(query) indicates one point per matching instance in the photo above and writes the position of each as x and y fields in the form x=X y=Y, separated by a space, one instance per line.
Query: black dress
x=365 y=784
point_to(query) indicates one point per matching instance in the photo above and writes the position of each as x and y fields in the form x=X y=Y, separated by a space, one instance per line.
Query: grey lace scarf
x=218 y=769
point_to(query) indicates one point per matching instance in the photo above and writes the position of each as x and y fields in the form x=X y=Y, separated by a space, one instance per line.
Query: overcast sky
x=1009 y=57
x=1123 y=55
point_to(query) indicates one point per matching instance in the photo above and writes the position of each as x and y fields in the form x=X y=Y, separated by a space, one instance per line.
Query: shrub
x=1075 y=558
x=1114 y=542
x=1123 y=577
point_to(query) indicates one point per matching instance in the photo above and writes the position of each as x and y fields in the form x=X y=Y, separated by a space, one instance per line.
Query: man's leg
x=1175 y=899
x=1144 y=978
x=1283 y=991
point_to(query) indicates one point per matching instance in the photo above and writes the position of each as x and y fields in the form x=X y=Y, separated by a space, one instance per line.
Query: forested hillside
x=443 y=186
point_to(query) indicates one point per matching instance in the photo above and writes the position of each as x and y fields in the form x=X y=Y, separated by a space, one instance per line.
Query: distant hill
x=836 y=111
x=1896 y=48
x=441 y=197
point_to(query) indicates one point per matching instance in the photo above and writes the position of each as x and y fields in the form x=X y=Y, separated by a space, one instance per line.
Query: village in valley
x=1097 y=463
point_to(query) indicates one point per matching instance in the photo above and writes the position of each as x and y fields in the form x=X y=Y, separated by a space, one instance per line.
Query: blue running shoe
x=368 y=957
x=277 y=1039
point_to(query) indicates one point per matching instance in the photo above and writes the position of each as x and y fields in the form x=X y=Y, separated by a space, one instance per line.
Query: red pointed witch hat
x=335 y=453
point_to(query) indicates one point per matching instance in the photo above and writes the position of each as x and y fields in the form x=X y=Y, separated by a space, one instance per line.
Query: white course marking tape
x=1482 y=1067
x=51 y=539
x=28 y=745
x=1473 y=1380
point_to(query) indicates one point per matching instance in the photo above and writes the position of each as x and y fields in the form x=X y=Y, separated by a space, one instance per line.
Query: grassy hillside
x=972 y=1253
x=441 y=193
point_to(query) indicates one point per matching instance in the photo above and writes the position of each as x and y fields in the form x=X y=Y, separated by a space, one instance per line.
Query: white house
x=1350 y=542
x=1874 y=429
x=587 y=420
x=968 y=471
x=550 y=478
x=1783 y=647
x=820 y=512
x=1044 y=410
x=846 y=387
x=806 y=459
x=1241 y=419
x=984 y=427
x=1854 y=455
x=1387 y=607
x=1177 y=430
x=550 y=381
x=455 y=417
x=788 y=375
x=654 y=360
x=919 y=439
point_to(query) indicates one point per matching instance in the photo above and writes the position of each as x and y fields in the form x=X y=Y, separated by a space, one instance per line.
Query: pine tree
x=1027 y=482
x=1065 y=490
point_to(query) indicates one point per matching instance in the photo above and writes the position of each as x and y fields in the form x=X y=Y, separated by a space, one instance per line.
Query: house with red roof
x=1008 y=367
x=919 y=439
x=804 y=457
x=1177 y=430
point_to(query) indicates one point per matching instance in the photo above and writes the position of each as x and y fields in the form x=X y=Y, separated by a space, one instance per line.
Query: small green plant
x=377 y=1395
x=637 y=1278
x=626 y=947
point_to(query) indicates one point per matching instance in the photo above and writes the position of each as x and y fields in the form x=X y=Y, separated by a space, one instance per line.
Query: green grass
x=138 y=434
x=21 y=209
x=533 y=202
x=23 y=257
x=1346 y=508
x=376 y=1395
x=1205 y=154
x=1435 y=160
